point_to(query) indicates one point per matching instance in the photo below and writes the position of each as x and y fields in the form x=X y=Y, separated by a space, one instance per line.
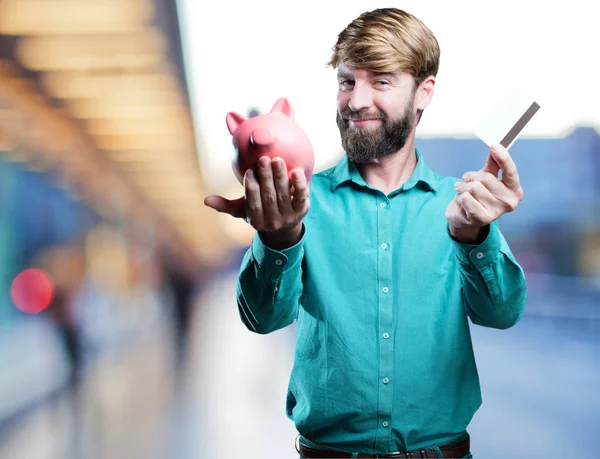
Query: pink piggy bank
x=275 y=134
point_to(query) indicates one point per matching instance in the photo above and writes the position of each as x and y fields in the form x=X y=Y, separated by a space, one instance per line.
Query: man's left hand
x=482 y=197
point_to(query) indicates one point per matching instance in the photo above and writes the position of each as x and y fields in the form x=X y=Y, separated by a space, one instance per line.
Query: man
x=381 y=284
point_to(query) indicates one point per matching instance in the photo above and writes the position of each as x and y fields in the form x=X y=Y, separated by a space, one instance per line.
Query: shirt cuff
x=479 y=255
x=275 y=261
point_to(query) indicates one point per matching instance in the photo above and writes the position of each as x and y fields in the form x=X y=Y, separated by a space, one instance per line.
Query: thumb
x=491 y=165
x=235 y=207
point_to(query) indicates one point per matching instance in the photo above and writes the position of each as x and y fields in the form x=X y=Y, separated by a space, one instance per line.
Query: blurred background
x=119 y=331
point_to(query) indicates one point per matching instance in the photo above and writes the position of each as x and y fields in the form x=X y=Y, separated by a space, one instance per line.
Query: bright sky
x=244 y=54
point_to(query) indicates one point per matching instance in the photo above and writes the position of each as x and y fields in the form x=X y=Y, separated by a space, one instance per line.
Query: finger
x=502 y=200
x=234 y=207
x=480 y=193
x=254 y=209
x=475 y=212
x=510 y=175
x=267 y=190
x=490 y=181
x=300 y=202
x=282 y=185
x=491 y=166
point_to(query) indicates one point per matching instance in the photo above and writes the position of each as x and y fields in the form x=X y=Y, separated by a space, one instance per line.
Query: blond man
x=384 y=271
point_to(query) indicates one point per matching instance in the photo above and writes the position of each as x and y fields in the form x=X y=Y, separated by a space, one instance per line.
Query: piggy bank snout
x=262 y=137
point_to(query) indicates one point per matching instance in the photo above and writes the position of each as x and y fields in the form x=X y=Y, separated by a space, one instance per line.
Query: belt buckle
x=407 y=455
x=398 y=454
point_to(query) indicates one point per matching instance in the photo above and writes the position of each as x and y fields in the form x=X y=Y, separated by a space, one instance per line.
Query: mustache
x=362 y=115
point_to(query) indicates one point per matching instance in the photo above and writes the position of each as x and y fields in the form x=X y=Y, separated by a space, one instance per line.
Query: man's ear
x=424 y=93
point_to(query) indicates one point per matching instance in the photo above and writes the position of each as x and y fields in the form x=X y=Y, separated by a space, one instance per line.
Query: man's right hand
x=272 y=204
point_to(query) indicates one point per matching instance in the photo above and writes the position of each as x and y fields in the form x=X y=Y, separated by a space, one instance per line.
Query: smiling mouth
x=363 y=122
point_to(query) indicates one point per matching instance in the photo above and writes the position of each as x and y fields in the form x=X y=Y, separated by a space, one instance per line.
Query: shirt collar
x=346 y=171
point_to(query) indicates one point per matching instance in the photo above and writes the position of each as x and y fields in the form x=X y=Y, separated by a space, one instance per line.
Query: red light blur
x=32 y=291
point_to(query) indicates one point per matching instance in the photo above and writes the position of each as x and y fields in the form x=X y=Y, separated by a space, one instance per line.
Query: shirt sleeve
x=493 y=284
x=270 y=285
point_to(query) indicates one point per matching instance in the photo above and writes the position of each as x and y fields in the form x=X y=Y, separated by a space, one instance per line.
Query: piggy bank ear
x=234 y=120
x=283 y=106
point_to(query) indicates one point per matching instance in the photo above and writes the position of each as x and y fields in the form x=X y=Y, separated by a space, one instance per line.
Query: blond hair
x=388 y=40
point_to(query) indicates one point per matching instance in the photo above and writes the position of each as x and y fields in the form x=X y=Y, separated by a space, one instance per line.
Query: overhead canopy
x=97 y=91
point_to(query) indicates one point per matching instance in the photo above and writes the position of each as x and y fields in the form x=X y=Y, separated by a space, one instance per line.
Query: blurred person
x=66 y=266
x=61 y=313
x=384 y=271
x=182 y=286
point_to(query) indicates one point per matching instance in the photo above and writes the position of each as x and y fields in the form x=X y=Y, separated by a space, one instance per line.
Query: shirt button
x=384 y=246
x=386 y=335
x=382 y=205
x=385 y=289
x=278 y=262
x=479 y=255
x=385 y=424
x=386 y=380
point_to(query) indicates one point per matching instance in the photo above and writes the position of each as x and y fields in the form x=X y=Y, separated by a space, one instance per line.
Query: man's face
x=375 y=113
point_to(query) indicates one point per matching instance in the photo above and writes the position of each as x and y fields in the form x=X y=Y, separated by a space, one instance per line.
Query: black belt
x=454 y=451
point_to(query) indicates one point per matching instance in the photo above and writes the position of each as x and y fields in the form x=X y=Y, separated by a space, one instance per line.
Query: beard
x=362 y=145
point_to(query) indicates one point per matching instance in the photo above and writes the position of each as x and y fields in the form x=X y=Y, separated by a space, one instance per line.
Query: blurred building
x=560 y=213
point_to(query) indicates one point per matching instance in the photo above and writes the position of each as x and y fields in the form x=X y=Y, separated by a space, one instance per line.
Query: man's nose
x=360 y=98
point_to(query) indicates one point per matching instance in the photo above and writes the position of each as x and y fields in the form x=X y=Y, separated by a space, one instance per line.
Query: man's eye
x=345 y=84
x=382 y=82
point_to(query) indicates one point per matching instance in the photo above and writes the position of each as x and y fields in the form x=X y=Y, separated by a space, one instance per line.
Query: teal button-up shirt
x=382 y=295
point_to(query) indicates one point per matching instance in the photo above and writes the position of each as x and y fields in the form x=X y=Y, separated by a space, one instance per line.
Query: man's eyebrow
x=348 y=76
x=390 y=75
x=345 y=75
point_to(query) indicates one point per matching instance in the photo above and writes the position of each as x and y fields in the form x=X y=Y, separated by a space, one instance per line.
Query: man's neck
x=390 y=172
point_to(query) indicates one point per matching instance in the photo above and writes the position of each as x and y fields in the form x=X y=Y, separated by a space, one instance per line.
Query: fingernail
x=264 y=162
x=250 y=174
x=296 y=175
x=276 y=162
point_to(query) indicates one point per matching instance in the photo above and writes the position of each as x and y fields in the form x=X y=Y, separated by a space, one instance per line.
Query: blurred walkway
x=237 y=384
x=135 y=405
x=118 y=412
x=540 y=387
